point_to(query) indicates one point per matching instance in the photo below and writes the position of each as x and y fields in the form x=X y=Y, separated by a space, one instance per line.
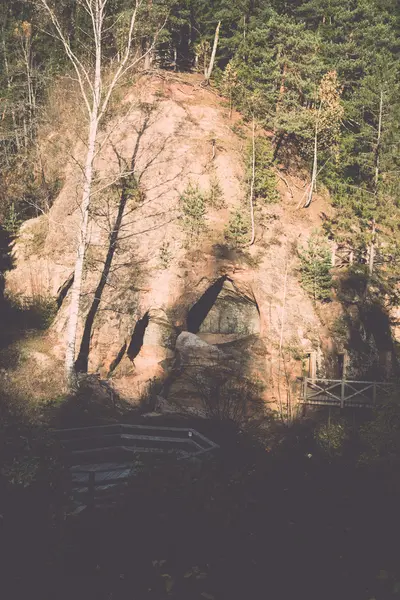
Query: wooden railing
x=93 y=479
x=345 y=393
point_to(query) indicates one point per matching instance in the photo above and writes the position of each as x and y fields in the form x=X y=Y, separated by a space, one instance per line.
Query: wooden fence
x=345 y=393
x=345 y=256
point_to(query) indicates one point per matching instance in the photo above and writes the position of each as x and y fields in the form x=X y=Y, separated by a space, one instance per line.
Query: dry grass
x=32 y=373
x=62 y=124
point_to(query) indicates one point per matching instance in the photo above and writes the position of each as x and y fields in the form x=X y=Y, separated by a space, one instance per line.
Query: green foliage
x=265 y=180
x=331 y=437
x=237 y=230
x=315 y=267
x=165 y=255
x=12 y=221
x=215 y=197
x=193 y=206
x=380 y=437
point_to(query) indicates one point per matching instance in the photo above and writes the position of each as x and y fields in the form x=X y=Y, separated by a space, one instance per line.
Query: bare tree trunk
x=315 y=165
x=282 y=89
x=147 y=57
x=7 y=71
x=83 y=231
x=96 y=101
x=82 y=361
x=378 y=142
x=80 y=256
x=253 y=177
x=209 y=70
x=27 y=56
x=372 y=250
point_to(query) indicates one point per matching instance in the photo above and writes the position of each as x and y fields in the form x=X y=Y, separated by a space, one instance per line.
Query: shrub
x=332 y=437
x=193 y=207
x=380 y=437
x=315 y=268
x=165 y=255
x=215 y=197
x=265 y=178
x=12 y=220
x=237 y=230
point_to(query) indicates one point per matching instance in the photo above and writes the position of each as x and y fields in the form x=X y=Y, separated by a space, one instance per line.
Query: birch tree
x=208 y=71
x=96 y=93
x=327 y=120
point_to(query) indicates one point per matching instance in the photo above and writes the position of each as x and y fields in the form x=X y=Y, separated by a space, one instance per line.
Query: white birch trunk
x=96 y=101
x=76 y=289
x=371 y=258
x=208 y=72
x=314 y=169
x=378 y=141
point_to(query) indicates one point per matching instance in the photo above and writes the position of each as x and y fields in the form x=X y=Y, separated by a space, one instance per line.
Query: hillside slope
x=176 y=136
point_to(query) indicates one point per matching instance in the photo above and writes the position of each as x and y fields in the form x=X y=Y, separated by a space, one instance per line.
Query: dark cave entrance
x=200 y=310
x=222 y=314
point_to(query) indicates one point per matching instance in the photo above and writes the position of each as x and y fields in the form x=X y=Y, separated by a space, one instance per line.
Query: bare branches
x=80 y=70
x=96 y=101
x=213 y=54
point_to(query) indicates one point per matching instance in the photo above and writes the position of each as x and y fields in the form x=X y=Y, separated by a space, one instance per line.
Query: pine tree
x=315 y=266
x=238 y=230
x=193 y=206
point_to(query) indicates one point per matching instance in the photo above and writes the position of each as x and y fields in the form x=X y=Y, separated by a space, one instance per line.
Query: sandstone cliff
x=234 y=304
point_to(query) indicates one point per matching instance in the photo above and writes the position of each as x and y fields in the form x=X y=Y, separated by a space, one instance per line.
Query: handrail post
x=374 y=393
x=91 y=490
x=342 y=392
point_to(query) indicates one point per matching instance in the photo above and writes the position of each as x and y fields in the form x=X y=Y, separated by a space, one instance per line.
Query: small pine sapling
x=315 y=268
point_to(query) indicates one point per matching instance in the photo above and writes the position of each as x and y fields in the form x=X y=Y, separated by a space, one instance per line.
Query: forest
x=200 y=296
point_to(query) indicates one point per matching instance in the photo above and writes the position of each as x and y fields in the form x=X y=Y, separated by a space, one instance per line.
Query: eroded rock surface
x=159 y=270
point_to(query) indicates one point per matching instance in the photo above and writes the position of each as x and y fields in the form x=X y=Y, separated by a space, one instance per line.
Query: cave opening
x=137 y=338
x=223 y=314
x=202 y=307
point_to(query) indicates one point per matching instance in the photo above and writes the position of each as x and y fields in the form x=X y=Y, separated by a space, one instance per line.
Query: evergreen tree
x=193 y=206
x=237 y=232
x=315 y=266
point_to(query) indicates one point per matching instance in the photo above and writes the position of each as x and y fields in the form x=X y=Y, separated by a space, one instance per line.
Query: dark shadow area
x=129 y=187
x=6 y=262
x=18 y=315
x=137 y=337
x=250 y=509
x=117 y=360
x=94 y=403
x=63 y=290
x=319 y=498
x=366 y=303
x=202 y=307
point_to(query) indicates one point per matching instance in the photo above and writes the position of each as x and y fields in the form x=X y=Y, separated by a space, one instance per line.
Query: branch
x=78 y=66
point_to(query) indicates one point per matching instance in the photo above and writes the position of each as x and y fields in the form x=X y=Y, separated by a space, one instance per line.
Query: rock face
x=169 y=291
x=231 y=315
